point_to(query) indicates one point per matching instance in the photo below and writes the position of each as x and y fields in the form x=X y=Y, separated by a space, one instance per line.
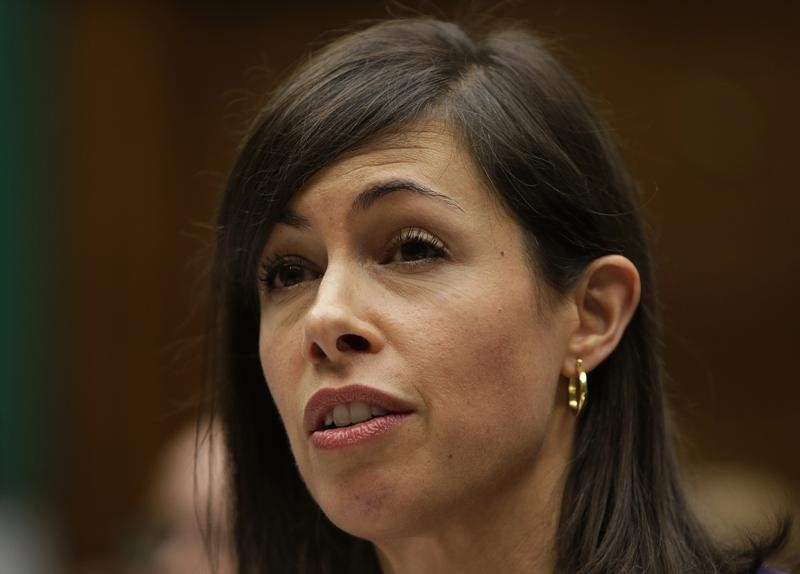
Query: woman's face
x=398 y=288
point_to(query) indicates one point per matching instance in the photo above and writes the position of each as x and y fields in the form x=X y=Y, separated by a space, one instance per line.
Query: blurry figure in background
x=28 y=544
x=186 y=528
x=739 y=502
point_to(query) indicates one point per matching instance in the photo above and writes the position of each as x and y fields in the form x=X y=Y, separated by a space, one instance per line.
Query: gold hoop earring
x=578 y=389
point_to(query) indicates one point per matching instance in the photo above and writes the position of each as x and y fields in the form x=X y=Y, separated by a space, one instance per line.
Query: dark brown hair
x=547 y=156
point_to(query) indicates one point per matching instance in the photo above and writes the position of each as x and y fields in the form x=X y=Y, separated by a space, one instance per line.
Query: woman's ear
x=605 y=297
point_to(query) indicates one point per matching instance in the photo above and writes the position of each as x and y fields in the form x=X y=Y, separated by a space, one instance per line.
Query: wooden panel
x=122 y=272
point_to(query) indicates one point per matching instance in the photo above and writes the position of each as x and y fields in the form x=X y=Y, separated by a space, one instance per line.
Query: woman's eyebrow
x=369 y=196
x=293 y=219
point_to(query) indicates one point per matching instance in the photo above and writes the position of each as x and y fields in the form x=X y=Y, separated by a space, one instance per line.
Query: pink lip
x=329 y=439
x=324 y=400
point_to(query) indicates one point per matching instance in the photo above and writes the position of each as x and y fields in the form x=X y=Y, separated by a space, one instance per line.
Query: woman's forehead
x=428 y=156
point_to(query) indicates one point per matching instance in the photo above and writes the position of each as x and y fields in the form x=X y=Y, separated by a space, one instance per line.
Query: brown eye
x=417 y=250
x=288 y=275
x=286 y=272
x=415 y=245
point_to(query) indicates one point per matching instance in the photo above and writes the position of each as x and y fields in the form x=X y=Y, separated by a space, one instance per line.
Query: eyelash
x=435 y=247
x=273 y=264
x=417 y=235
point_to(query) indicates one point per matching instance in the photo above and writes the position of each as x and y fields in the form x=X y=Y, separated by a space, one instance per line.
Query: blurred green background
x=31 y=265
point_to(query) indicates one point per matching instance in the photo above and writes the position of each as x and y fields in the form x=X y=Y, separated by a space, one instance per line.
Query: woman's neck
x=511 y=529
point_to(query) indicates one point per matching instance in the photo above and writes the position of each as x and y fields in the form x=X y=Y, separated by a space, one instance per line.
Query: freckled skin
x=466 y=340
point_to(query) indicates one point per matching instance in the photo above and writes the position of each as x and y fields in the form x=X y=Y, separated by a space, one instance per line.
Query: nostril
x=352 y=343
x=317 y=352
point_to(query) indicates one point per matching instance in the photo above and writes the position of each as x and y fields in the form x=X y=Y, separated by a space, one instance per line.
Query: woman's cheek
x=278 y=366
x=485 y=373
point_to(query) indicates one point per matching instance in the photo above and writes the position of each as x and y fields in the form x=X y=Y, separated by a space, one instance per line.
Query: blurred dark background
x=120 y=119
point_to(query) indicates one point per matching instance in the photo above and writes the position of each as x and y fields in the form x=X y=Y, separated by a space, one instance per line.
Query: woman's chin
x=376 y=512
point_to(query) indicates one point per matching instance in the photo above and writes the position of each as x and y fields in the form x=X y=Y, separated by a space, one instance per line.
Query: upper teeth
x=352 y=413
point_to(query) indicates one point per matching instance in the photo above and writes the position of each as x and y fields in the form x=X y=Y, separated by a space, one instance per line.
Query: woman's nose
x=336 y=325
